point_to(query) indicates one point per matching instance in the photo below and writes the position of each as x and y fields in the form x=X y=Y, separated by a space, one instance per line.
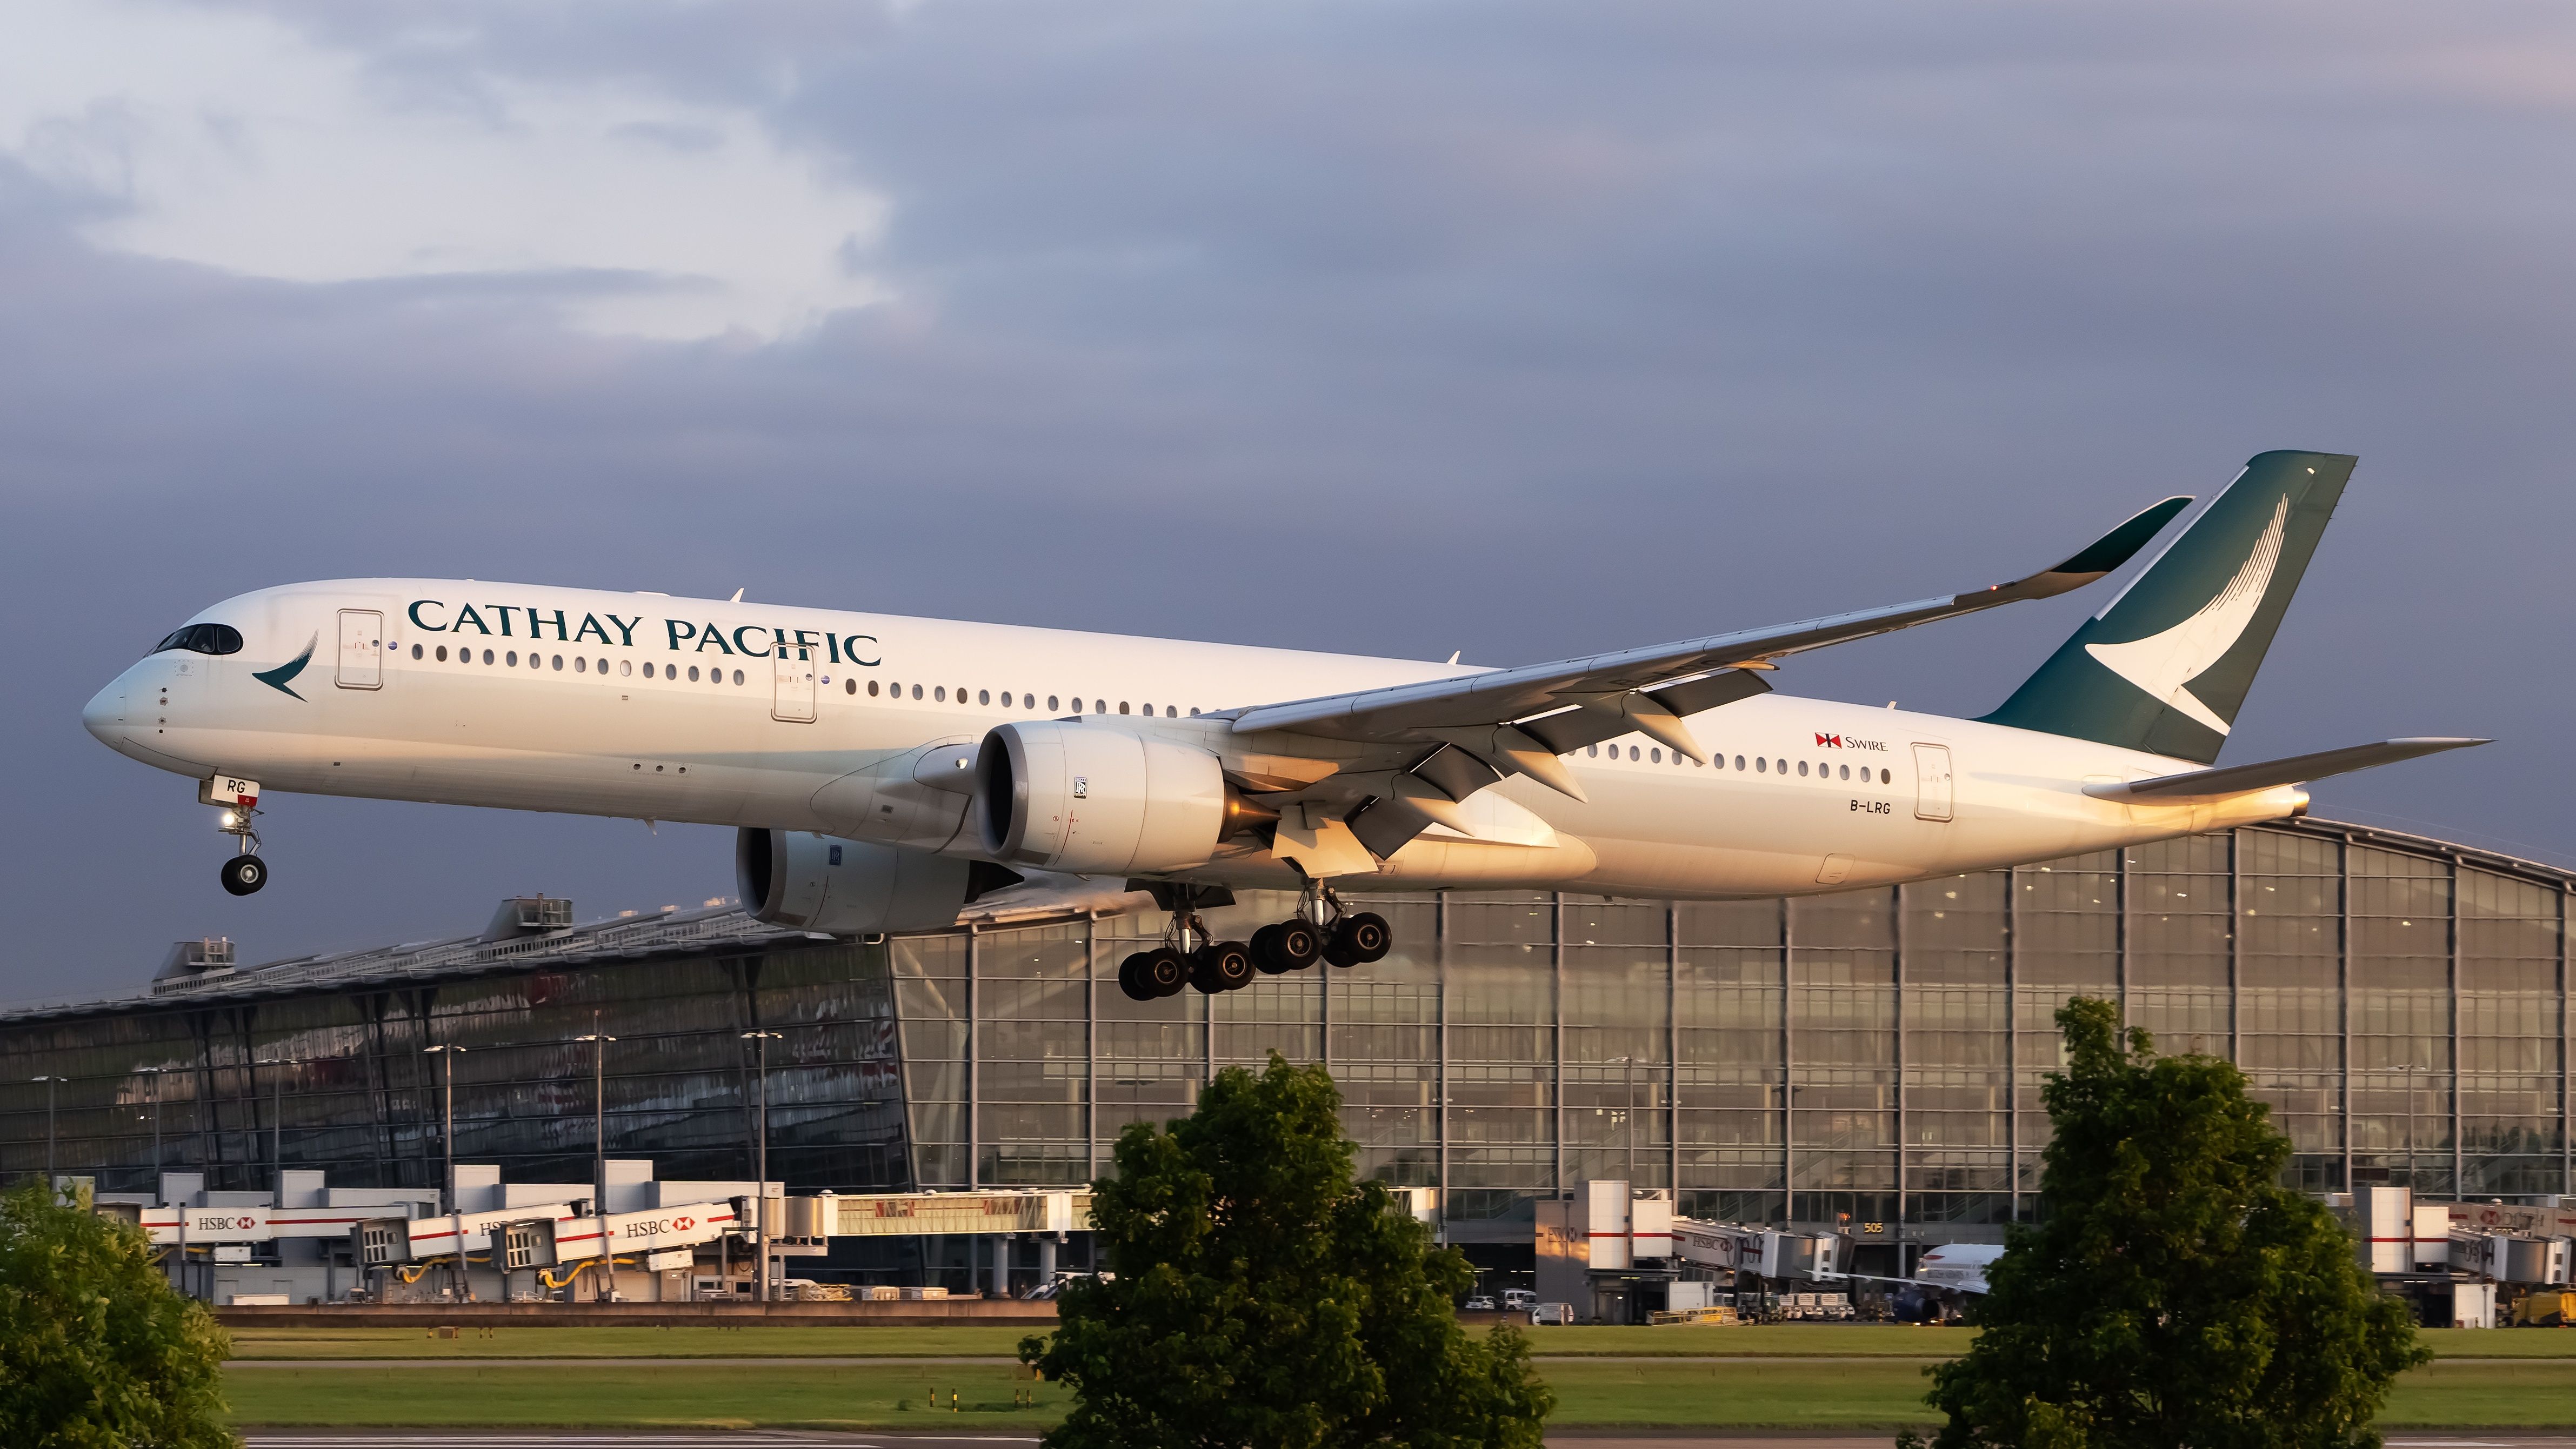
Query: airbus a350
x=884 y=772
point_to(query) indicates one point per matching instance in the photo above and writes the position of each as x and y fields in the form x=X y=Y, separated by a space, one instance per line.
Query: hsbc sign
x=225 y=1225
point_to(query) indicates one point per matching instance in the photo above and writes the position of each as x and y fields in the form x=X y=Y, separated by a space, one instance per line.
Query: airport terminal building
x=1869 y=1061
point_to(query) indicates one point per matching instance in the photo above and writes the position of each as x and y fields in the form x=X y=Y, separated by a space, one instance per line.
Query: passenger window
x=1886 y=778
x=693 y=674
x=1655 y=756
x=558 y=664
x=1122 y=706
x=1802 y=769
x=939 y=692
x=1846 y=772
x=625 y=668
x=648 y=669
x=442 y=654
x=580 y=665
x=415 y=651
x=1739 y=762
x=1051 y=703
x=737 y=676
x=872 y=689
x=1760 y=765
x=1592 y=750
x=603 y=666
x=982 y=696
x=916 y=691
x=1148 y=709
x=1632 y=752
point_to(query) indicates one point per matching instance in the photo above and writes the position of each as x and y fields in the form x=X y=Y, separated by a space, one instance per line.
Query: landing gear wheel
x=1221 y=966
x=1132 y=981
x=1287 y=946
x=1359 y=940
x=244 y=874
x=1163 y=970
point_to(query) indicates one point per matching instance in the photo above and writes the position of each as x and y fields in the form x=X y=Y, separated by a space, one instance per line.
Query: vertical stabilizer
x=2166 y=665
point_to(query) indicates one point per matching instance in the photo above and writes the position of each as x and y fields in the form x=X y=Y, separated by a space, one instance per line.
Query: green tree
x=1263 y=1298
x=2174 y=1292
x=96 y=1350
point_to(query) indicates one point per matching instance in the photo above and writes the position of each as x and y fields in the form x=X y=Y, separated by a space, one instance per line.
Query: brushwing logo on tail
x=2164 y=664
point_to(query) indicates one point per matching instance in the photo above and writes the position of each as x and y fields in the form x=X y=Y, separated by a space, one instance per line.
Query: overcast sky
x=1390 y=327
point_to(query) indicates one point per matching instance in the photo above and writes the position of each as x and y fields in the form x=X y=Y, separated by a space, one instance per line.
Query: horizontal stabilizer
x=2270 y=774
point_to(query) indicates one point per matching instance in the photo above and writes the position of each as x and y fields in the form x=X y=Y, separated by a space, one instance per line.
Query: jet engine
x=847 y=887
x=1096 y=801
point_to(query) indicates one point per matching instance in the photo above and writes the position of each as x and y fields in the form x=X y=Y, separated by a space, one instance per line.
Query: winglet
x=2100 y=556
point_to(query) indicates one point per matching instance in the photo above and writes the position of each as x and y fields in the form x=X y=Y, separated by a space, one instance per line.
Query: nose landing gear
x=238 y=799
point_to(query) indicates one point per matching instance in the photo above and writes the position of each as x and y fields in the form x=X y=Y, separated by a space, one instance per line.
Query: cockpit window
x=205 y=639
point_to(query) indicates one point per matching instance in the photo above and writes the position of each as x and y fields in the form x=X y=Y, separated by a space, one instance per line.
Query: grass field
x=1786 y=1393
x=807 y=1341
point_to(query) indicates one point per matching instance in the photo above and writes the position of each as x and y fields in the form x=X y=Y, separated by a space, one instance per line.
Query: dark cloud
x=1514 y=329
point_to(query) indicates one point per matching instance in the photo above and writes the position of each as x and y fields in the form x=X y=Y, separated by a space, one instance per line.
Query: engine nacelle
x=1096 y=801
x=846 y=887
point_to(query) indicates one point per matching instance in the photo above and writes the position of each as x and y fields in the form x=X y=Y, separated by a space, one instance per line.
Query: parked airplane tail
x=2166 y=664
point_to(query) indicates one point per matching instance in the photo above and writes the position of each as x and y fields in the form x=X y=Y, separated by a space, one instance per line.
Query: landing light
x=230 y=820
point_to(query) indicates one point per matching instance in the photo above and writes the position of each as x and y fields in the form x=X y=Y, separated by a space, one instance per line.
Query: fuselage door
x=362 y=649
x=1931 y=782
x=794 y=701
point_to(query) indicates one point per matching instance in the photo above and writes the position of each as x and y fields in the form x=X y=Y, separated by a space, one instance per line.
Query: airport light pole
x=155 y=1074
x=447 y=1142
x=49 y=1082
x=760 y=1041
x=599 y=1041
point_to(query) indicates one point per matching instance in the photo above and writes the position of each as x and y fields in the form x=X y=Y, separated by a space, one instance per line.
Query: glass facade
x=1867 y=1059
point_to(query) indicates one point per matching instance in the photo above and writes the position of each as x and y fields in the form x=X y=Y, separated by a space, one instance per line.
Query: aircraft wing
x=1560 y=707
x=2268 y=774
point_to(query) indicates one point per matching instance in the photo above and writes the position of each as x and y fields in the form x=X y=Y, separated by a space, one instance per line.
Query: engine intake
x=846 y=887
x=1096 y=801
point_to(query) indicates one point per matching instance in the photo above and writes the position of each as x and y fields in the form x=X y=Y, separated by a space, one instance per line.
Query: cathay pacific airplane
x=884 y=772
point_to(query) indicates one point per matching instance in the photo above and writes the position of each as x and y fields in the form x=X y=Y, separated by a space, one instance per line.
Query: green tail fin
x=2165 y=666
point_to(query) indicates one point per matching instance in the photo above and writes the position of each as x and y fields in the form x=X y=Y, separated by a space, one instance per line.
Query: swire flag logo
x=1833 y=742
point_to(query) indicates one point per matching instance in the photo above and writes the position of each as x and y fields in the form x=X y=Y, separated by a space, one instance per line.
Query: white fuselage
x=652 y=707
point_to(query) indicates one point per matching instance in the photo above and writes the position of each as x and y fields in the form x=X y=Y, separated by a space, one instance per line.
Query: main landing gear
x=1322 y=930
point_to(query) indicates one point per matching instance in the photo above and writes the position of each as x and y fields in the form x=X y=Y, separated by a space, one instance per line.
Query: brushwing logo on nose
x=276 y=678
x=2164 y=664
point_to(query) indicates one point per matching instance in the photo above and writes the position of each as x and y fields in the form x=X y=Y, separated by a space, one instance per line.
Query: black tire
x=1229 y=965
x=1265 y=952
x=1337 y=949
x=1131 y=978
x=1298 y=944
x=1163 y=969
x=245 y=874
x=1371 y=938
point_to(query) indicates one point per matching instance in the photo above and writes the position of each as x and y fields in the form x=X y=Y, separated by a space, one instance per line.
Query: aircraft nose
x=104 y=715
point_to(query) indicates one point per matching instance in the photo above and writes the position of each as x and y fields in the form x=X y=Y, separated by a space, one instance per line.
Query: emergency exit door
x=362 y=649
x=1931 y=782
x=794 y=701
